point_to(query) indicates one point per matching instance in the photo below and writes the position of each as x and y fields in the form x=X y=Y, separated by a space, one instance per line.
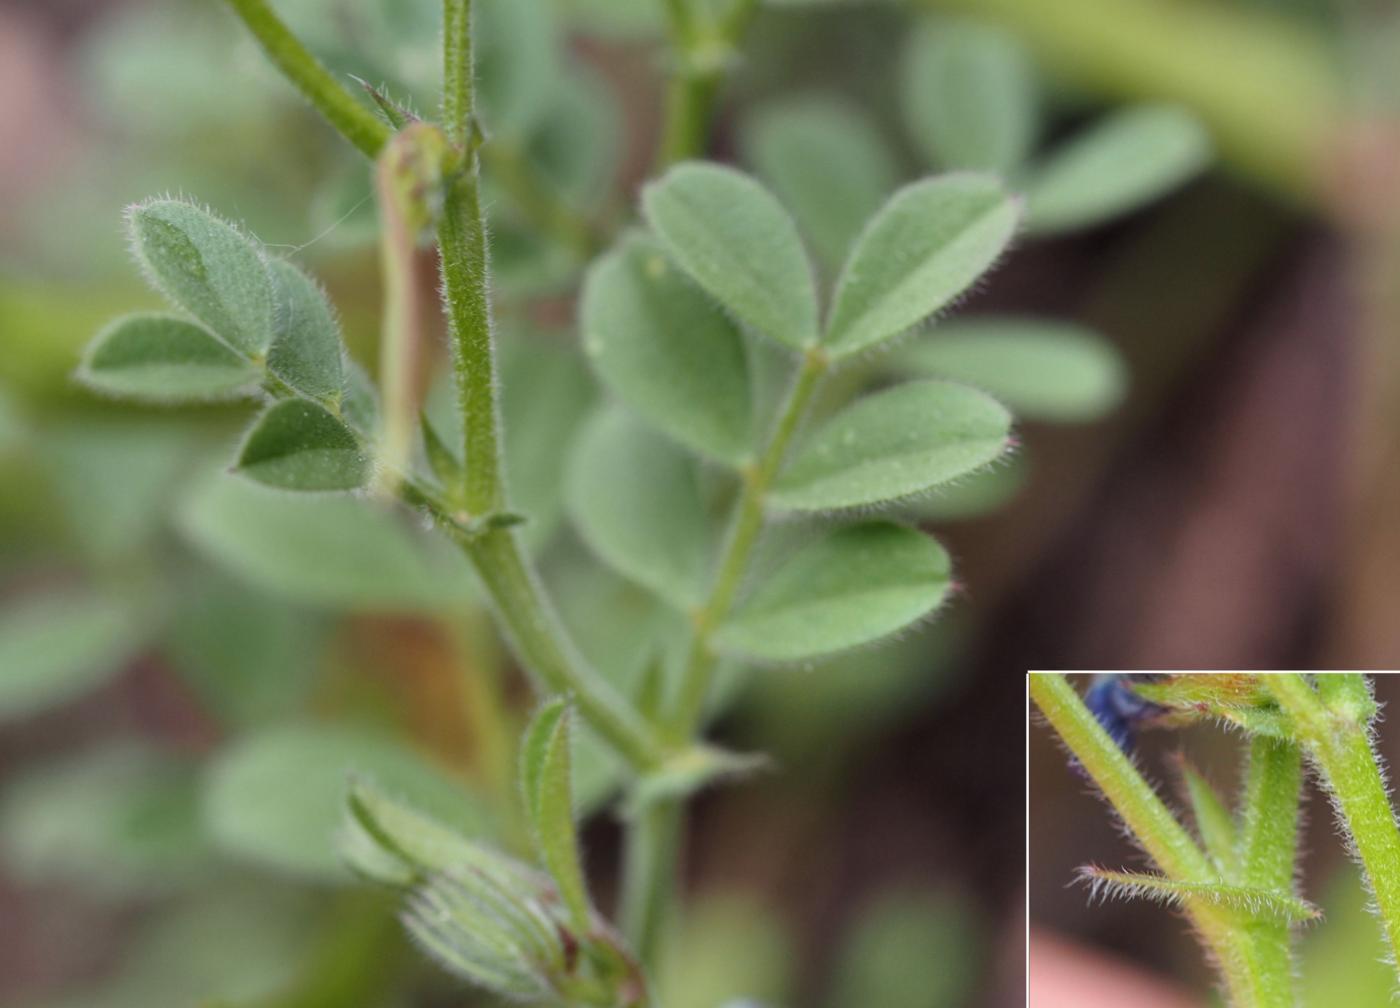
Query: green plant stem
x=652 y=856
x=1268 y=845
x=649 y=881
x=542 y=647
x=354 y=121
x=1337 y=741
x=690 y=96
x=699 y=53
x=1151 y=822
x=465 y=276
x=497 y=555
x=1155 y=829
x=462 y=244
x=458 y=66
x=744 y=527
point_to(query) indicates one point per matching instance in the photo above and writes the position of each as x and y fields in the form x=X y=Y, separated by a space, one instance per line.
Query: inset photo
x=1212 y=838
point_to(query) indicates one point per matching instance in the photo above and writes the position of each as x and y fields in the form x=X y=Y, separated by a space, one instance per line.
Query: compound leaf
x=969 y=96
x=207 y=267
x=159 y=358
x=1130 y=158
x=1042 y=370
x=298 y=445
x=924 y=247
x=893 y=443
x=667 y=351
x=738 y=243
x=855 y=586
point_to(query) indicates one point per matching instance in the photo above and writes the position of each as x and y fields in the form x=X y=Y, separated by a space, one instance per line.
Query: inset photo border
x=1200 y=838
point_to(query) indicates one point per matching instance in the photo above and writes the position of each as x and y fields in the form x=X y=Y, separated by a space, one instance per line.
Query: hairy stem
x=1155 y=829
x=1336 y=737
x=542 y=647
x=465 y=276
x=649 y=880
x=353 y=120
x=744 y=527
x=1268 y=846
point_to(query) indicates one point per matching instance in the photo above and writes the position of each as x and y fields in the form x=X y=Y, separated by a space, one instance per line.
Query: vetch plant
x=734 y=480
x=970 y=99
x=1233 y=876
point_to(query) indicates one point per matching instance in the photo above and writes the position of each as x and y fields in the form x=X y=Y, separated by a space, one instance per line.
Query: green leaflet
x=1214 y=823
x=667 y=350
x=306 y=350
x=739 y=244
x=577 y=140
x=112 y=479
x=390 y=840
x=826 y=161
x=1126 y=160
x=546 y=395
x=277 y=798
x=968 y=95
x=1280 y=905
x=1041 y=369
x=858 y=584
x=546 y=763
x=337 y=551
x=248 y=656
x=635 y=499
x=517 y=62
x=925 y=246
x=893 y=443
x=297 y=445
x=207 y=267
x=55 y=647
x=361 y=406
x=160 y=358
x=118 y=819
